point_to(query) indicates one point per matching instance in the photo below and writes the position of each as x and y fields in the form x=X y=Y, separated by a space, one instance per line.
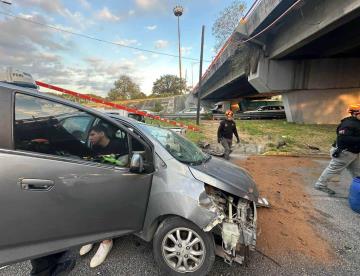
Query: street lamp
x=178 y=11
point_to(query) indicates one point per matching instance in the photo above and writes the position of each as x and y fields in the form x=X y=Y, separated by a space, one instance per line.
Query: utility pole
x=178 y=11
x=200 y=76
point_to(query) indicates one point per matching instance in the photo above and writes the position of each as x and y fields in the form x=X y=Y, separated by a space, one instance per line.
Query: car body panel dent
x=226 y=177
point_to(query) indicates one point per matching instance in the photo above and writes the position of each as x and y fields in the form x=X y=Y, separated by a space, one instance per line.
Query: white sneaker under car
x=85 y=249
x=101 y=254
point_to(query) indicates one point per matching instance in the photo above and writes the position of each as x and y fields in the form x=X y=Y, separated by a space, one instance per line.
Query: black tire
x=172 y=223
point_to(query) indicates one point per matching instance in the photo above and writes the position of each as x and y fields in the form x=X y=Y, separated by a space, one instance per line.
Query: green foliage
x=226 y=22
x=168 y=85
x=158 y=107
x=125 y=89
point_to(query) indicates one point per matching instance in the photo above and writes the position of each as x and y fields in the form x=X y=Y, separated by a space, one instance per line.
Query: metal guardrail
x=253 y=115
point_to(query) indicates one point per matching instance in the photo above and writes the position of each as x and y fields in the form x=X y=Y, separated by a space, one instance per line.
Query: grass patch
x=195 y=136
x=296 y=137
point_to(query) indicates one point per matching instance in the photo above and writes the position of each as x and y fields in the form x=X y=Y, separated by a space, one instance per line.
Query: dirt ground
x=287 y=228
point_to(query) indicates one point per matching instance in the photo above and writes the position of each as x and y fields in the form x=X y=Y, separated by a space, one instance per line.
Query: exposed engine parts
x=236 y=225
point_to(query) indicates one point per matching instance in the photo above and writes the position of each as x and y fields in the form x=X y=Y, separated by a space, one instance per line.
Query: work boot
x=85 y=249
x=101 y=253
x=325 y=189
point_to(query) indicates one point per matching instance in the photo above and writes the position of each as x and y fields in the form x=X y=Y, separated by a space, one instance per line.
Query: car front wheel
x=181 y=247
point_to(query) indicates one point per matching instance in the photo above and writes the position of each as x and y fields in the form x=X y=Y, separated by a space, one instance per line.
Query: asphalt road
x=338 y=224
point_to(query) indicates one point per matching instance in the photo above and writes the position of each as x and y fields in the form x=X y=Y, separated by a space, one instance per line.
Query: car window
x=78 y=126
x=48 y=127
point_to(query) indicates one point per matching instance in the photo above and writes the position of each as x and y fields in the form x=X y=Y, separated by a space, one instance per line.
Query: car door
x=52 y=196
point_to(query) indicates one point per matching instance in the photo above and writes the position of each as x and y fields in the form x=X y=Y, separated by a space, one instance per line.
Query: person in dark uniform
x=345 y=151
x=226 y=131
x=53 y=265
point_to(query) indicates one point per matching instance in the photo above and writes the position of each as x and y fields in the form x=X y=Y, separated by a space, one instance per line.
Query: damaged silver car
x=56 y=194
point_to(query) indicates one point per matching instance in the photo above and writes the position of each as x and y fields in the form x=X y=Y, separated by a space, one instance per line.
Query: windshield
x=180 y=148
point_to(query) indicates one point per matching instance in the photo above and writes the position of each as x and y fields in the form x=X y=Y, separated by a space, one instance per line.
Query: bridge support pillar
x=319 y=106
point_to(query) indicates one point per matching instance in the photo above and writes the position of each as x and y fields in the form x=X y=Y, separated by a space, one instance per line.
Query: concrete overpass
x=306 y=50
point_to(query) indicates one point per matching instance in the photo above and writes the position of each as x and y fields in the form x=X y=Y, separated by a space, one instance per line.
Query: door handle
x=36 y=184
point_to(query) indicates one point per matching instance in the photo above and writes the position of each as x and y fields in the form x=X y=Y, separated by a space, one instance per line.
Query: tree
x=227 y=21
x=168 y=85
x=125 y=89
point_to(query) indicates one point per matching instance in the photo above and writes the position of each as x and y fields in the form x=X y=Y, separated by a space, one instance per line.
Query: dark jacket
x=348 y=135
x=226 y=130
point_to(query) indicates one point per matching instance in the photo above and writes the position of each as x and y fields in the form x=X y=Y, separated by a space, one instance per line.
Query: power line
x=94 y=38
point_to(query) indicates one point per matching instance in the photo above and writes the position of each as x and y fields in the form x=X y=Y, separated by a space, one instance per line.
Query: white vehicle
x=221 y=107
x=266 y=112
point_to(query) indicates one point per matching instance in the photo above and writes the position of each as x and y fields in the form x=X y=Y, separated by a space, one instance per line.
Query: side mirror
x=136 y=163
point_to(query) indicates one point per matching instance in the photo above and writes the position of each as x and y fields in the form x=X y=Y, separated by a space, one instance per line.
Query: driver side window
x=52 y=128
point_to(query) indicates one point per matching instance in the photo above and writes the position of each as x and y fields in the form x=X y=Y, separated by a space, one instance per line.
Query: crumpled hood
x=227 y=177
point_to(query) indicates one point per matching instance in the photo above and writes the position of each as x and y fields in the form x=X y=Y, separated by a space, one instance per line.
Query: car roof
x=126 y=119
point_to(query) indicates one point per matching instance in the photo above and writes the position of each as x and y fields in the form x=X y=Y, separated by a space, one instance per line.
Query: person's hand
x=219 y=140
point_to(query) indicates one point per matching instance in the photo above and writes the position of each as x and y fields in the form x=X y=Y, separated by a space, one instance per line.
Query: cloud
x=147 y=4
x=142 y=57
x=34 y=49
x=106 y=15
x=56 y=7
x=155 y=6
x=186 y=50
x=100 y=74
x=128 y=42
x=18 y=34
x=151 y=27
x=85 y=4
x=53 y=6
x=160 y=44
x=131 y=12
x=78 y=19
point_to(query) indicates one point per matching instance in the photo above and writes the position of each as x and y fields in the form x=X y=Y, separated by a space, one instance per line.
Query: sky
x=89 y=66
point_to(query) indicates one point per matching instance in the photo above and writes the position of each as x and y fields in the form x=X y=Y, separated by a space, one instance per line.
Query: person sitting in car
x=108 y=150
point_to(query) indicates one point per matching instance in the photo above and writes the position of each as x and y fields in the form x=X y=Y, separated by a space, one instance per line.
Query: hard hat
x=354 y=108
x=229 y=113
